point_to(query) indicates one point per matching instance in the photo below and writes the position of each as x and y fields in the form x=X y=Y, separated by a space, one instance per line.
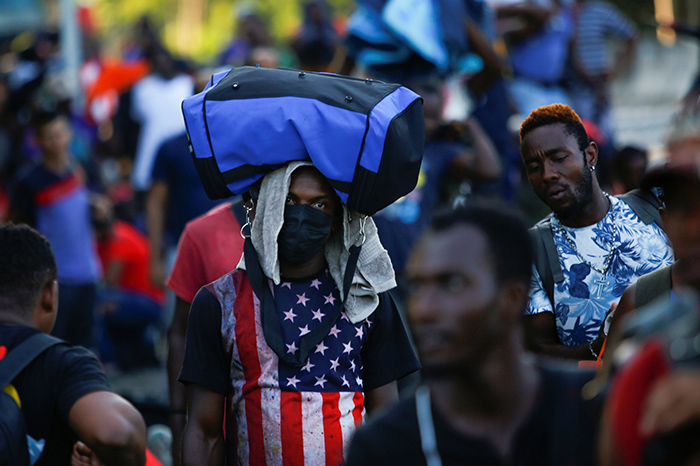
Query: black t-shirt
x=49 y=387
x=559 y=432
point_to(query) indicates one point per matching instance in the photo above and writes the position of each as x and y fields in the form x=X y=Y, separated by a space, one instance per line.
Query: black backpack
x=13 y=430
x=645 y=204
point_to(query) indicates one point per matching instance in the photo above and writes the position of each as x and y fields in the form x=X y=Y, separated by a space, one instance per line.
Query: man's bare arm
x=381 y=397
x=155 y=225
x=176 y=354
x=111 y=427
x=541 y=337
x=203 y=441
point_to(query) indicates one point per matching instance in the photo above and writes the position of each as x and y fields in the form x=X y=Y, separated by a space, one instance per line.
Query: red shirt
x=130 y=247
x=210 y=246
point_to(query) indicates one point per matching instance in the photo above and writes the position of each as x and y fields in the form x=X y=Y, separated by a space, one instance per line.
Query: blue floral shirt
x=585 y=295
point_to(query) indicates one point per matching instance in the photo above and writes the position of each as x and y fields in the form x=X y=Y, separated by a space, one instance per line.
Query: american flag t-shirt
x=289 y=415
x=335 y=364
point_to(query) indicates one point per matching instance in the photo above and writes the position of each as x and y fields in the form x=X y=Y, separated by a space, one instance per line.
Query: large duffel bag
x=365 y=136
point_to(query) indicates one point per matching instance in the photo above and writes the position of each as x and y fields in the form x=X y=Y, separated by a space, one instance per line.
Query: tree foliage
x=199 y=28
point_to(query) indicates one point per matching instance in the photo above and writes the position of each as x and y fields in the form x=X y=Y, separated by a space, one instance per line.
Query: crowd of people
x=533 y=300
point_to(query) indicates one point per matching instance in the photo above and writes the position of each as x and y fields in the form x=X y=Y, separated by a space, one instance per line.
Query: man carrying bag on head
x=302 y=338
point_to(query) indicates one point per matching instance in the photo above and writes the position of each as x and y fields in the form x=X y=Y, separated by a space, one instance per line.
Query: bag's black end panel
x=211 y=177
x=400 y=165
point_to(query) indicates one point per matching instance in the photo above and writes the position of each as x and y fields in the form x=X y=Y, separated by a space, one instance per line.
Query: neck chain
x=611 y=243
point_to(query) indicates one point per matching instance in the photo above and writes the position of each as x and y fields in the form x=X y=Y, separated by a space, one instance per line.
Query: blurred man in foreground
x=484 y=401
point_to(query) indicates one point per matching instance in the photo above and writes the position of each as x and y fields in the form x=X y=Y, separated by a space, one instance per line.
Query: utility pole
x=71 y=49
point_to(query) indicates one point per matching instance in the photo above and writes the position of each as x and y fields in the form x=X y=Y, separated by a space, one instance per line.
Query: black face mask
x=303 y=233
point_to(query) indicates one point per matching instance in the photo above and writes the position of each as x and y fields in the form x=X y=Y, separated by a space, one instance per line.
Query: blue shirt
x=186 y=196
x=58 y=206
x=585 y=295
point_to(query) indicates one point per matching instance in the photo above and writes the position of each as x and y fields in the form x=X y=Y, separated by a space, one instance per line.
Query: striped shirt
x=288 y=415
x=597 y=22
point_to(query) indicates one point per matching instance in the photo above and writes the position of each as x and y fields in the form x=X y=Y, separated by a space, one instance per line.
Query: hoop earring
x=248 y=208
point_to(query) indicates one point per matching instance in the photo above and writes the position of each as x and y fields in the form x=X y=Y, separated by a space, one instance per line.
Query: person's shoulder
x=219 y=288
x=205 y=221
x=398 y=422
x=672 y=316
x=174 y=146
x=232 y=277
x=124 y=229
x=28 y=173
x=12 y=335
x=391 y=437
x=632 y=206
x=61 y=359
x=66 y=355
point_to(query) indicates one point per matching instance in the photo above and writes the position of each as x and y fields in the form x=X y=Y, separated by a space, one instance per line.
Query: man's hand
x=83 y=456
x=672 y=402
x=599 y=341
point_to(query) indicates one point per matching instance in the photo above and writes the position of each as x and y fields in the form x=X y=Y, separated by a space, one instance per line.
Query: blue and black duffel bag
x=365 y=136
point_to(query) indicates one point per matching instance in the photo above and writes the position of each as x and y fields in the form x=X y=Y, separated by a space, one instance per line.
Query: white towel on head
x=374 y=273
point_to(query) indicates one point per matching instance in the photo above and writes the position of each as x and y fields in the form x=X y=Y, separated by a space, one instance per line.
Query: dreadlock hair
x=556 y=114
x=26 y=267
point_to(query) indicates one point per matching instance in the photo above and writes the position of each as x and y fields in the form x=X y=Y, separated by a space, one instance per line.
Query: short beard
x=583 y=195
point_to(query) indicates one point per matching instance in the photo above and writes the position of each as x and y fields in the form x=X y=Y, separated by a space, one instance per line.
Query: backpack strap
x=645 y=204
x=653 y=285
x=546 y=257
x=23 y=354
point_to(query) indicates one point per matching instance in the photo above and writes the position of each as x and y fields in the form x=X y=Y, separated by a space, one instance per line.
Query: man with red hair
x=591 y=247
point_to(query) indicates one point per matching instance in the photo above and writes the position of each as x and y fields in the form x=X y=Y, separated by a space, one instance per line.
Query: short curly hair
x=556 y=114
x=27 y=265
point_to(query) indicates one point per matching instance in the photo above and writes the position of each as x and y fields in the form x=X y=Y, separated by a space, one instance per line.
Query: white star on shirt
x=287 y=284
x=352 y=365
x=308 y=366
x=368 y=322
x=343 y=315
x=334 y=363
x=360 y=331
x=293 y=381
x=292 y=348
x=302 y=299
x=334 y=331
x=317 y=315
x=320 y=381
x=347 y=347
x=304 y=330
x=330 y=299
x=321 y=348
x=289 y=315
x=316 y=283
x=345 y=381
x=358 y=380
